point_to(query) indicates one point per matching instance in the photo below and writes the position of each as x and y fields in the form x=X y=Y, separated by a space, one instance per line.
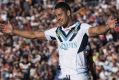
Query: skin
x=65 y=19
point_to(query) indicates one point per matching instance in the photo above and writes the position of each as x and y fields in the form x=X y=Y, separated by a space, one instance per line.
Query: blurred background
x=25 y=59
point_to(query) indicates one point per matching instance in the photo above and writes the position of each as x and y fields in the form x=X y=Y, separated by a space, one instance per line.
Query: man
x=72 y=37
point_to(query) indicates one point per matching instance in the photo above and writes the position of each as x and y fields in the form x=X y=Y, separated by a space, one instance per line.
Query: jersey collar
x=70 y=27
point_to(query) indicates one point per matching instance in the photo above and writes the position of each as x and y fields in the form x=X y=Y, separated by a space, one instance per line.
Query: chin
x=61 y=24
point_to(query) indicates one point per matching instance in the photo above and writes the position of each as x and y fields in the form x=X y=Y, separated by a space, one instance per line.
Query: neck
x=69 y=23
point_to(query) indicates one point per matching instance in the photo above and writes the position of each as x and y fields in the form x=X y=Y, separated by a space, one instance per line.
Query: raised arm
x=23 y=33
x=94 y=31
x=30 y=34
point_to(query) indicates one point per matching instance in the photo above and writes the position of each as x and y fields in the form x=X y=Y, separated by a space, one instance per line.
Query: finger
x=9 y=22
x=1 y=27
x=2 y=24
x=4 y=29
x=110 y=17
x=114 y=21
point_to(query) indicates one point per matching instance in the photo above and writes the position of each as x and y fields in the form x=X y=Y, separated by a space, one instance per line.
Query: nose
x=58 y=18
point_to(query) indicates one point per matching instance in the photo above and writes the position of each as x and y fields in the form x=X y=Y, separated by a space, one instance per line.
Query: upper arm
x=40 y=35
x=85 y=28
x=50 y=34
x=46 y=35
x=92 y=31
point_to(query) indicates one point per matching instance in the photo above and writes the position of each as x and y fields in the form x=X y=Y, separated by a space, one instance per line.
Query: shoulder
x=51 y=29
x=85 y=25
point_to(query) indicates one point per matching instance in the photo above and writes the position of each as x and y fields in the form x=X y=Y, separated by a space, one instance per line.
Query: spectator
x=16 y=14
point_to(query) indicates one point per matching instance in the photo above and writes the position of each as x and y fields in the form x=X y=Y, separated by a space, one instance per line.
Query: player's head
x=63 y=13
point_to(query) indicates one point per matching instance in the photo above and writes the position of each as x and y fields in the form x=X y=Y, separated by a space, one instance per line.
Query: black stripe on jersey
x=63 y=32
x=66 y=35
x=75 y=33
x=58 y=34
x=53 y=38
x=83 y=43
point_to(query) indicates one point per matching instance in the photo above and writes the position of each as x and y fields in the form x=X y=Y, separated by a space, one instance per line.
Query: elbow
x=93 y=35
x=31 y=36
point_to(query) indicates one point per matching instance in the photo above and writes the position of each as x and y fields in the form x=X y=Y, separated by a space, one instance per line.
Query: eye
x=55 y=16
x=60 y=14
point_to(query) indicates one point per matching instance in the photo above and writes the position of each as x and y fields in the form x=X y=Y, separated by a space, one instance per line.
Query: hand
x=111 y=23
x=7 y=28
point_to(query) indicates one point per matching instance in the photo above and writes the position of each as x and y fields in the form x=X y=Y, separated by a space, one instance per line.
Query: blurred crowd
x=26 y=59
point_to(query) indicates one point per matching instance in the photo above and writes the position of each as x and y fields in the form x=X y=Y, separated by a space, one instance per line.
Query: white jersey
x=72 y=42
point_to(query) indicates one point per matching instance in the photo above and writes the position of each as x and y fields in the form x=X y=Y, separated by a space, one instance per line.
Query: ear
x=68 y=13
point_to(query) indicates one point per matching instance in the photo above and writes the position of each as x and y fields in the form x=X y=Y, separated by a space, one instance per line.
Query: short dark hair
x=63 y=5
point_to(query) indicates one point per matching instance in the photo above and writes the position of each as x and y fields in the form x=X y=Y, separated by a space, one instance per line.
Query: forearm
x=25 y=34
x=94 y=31
x=30 y=34
x=102 y=29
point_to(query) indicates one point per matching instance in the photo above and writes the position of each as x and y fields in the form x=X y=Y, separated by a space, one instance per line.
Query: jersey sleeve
x=50 y=34
x=85 y=27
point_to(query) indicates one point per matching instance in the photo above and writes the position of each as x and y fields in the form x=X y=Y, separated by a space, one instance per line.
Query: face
x=62 y=16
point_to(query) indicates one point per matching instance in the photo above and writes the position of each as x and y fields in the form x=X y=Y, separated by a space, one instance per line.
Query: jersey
x=72 y=42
